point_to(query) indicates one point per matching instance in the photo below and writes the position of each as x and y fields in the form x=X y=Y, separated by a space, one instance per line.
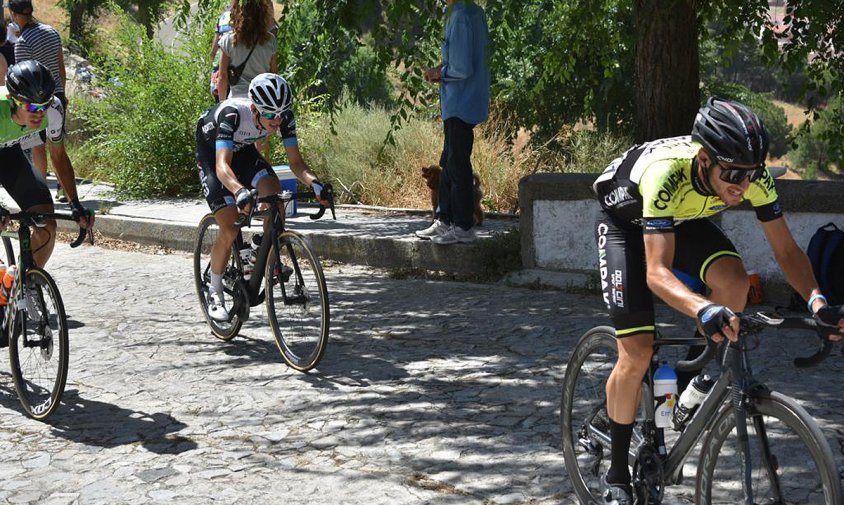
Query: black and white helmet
x=270 y=93
x=731 y=132
x=30 y=81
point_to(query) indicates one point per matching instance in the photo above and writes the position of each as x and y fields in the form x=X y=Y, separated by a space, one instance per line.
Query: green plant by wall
x=816 y=148
x=141 y=135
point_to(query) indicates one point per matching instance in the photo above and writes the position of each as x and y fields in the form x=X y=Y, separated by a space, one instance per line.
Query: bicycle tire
x=39 y=330
x=297 y=302
x=205 y=237
x=584 y=402
x=808 y=477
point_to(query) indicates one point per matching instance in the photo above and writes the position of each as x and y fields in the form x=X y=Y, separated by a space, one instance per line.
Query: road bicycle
x=759 y=446
x=34 y=323
x=287 y=275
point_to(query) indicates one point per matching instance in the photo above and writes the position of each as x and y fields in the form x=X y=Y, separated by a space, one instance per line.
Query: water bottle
x=665 y=395
x=694 y=394
x=8 y=281
x=246 y=262
x=4 y=299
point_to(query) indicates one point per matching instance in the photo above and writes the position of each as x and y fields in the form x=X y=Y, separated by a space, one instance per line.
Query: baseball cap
x=20 y=6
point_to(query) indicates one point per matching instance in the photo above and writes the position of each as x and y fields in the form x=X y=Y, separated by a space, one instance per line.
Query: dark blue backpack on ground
x=826 y=252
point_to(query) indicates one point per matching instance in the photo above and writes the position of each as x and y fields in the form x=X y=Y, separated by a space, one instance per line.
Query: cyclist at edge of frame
x=28 y=106
x=230 y=166
x=655 y=201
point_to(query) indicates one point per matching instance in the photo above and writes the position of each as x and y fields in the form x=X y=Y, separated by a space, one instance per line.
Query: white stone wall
x=564 y=239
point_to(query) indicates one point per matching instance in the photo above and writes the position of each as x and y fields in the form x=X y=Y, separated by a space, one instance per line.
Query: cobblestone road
x=430 y=392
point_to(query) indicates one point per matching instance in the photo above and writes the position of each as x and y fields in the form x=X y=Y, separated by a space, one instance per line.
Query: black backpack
x=826 y=252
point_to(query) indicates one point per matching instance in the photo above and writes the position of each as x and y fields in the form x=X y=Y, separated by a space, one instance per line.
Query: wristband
x=816 y=296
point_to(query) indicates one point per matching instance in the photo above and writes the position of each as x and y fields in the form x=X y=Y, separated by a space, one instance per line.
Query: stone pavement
x=429 y=393
x=362 y=235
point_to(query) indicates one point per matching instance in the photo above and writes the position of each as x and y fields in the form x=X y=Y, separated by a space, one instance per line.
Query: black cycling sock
x=684 y=378
x=621 y=434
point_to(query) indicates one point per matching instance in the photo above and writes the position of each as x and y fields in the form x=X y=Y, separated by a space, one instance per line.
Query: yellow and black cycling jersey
x=655 y=185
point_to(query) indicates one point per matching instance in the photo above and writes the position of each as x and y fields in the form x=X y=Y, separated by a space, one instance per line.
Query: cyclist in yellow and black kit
x=655 y=200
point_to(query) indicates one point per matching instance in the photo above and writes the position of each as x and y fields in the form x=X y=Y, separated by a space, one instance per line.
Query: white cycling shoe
x=216 y=307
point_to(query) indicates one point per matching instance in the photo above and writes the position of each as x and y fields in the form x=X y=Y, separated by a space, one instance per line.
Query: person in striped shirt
x=42 y=43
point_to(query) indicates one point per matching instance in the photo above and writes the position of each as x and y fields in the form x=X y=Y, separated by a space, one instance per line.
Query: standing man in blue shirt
x=463 y=77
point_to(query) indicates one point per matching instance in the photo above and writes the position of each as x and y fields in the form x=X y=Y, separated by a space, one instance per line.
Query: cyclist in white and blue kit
x=230 y=166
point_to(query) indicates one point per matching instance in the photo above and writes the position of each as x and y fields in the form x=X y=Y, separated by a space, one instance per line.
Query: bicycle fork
x=741 y=397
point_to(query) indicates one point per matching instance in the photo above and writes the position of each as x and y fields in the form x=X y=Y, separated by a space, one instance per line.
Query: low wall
x=558 y=213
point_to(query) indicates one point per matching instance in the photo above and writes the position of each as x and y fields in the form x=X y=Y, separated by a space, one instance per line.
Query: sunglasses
x=271 y=115
x=737 y=175
x=34 y=107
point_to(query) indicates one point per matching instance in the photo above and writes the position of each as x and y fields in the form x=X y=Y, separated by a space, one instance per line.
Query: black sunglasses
x=737 y=175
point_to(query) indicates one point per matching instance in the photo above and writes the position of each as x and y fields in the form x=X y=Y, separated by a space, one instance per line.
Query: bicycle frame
x=275 y=228
x=736 y=372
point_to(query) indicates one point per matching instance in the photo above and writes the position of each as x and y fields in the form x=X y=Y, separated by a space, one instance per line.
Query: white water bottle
x=694 y=394
x=665 y=395
x=246 y=262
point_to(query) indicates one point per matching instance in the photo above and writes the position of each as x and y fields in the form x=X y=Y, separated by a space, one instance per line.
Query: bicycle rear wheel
x=802 y=469
x=583 y=413
x=38 y=347
x=297 y=302
x=206 y=236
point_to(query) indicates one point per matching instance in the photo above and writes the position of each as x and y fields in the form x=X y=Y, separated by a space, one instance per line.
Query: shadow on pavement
x=106 y=425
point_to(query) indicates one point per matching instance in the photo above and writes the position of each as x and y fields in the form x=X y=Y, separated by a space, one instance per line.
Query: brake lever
x=328 y=193
x=81 y=238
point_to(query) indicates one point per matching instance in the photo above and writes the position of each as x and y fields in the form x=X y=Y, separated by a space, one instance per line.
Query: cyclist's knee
x=634 y=355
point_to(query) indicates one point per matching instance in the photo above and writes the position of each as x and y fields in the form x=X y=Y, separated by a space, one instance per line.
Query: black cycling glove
x=243 y=197
x=713 y=318
x=78 y=210
x=830 y=314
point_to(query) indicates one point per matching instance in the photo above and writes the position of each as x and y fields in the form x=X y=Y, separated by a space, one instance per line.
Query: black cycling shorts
x=249 y=167
x=23 y=183
x=621 y=257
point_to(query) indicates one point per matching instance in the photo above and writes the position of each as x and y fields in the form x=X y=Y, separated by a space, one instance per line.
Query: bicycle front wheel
x=297 y=301
x=207 y=234
x=791 y=460
x=583 y=412
x=38 y=347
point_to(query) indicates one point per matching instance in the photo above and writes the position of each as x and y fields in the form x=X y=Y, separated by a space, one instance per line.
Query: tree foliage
x=555 y=62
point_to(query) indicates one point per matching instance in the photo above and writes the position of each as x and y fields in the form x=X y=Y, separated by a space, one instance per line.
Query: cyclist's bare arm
x=796 y=265
x=659 y=254
x=301 y=169
x=792 y=260
x=64 y=171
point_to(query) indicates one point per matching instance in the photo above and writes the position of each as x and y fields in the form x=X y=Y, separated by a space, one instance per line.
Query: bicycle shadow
x=106 y=425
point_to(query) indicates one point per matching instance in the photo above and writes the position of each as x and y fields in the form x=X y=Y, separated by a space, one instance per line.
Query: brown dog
x=431 y=174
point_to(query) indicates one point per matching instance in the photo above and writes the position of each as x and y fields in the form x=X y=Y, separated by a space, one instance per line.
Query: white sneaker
x=216 y=306
x=454 y=235
x=436 y=229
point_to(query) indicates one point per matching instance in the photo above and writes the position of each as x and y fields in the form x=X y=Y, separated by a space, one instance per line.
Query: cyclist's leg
x=222 y=204
x=263 y=177
x=704 y=251
x=630 y=303
x=29 y=190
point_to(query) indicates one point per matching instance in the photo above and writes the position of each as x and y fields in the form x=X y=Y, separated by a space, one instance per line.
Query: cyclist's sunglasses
x=271 y=115
x=34 y=107
x=737 y=175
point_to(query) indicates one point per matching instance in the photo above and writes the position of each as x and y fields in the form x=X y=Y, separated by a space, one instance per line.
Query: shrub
x=816 y=148
x=141 y=135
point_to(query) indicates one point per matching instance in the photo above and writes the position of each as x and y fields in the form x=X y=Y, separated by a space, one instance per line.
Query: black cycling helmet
x=30 y=81
x=270 y=93
x=731 y=132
